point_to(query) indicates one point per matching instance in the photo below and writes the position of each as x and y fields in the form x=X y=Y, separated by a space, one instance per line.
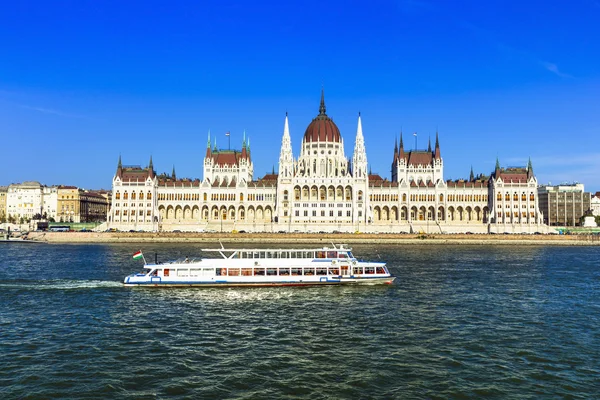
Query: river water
x=459 y=322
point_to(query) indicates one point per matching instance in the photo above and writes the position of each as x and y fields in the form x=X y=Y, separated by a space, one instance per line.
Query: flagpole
x=143 y=258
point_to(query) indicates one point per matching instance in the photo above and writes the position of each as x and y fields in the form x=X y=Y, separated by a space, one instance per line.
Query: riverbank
x=171 y=237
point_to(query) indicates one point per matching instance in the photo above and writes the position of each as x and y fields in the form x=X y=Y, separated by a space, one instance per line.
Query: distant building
x=595 y=204
x=93 y=206
x=24 y=200
x=325 y=190
x=564 y=205
x=3 y=193
x=68 y=204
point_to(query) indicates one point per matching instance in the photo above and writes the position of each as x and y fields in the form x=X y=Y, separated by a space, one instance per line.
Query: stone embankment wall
x=170 y=237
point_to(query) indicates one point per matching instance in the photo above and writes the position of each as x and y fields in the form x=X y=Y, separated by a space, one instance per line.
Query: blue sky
x=84 y=81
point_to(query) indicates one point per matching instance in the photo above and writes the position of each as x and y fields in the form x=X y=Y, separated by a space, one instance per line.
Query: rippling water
x=459 y=322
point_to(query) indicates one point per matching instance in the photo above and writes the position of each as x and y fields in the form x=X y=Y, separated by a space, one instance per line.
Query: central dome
x=322 y=128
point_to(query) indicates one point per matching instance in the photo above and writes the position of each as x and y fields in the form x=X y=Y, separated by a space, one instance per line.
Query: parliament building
x=323 y=190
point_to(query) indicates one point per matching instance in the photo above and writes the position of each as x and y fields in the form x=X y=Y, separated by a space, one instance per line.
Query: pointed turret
x=401 y=153
x=471 y=176
x=437 y=154
x=119 y=167
x=322 y=108
x=429 y=145
x=497 y=171
x=173 y=176
x=208 y=152
x=529 y=169
x=151 y=168
x=215 y=148
x=359 y=160
x=244 y=151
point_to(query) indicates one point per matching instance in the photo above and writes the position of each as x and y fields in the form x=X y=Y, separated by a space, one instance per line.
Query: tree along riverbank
x=312 y=238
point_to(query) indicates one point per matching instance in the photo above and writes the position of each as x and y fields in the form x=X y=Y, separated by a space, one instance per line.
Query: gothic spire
x=429 y=145
x=437 y=146
x=208 y=154
x=472 y=176
x=401 y=154
x=322 y=108
x=529 y=169
x=173 y=173
x=119 y=166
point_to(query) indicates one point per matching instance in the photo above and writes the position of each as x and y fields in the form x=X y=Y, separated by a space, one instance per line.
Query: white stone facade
x=322 y=190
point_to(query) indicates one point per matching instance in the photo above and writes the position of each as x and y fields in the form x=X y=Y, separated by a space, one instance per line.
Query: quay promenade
x=312 y=238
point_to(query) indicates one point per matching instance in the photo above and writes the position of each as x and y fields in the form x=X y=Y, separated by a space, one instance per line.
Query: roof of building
x=322 y=128
x=228 y=157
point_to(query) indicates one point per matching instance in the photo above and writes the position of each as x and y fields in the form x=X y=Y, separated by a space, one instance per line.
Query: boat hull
x=326 y=282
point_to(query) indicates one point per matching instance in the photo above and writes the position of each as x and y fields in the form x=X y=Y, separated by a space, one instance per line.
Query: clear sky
x=84 y=81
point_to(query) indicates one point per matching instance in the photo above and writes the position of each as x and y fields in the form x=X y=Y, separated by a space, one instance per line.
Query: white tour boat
x=264 y=267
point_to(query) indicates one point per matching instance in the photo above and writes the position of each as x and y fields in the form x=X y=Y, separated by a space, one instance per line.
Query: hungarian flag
x=138 y=255
x=227 y=134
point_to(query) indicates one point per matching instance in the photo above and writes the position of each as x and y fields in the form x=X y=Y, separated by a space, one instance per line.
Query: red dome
x=322 y=128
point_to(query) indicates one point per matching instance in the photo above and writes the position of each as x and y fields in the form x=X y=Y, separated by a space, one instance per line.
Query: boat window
x=256 y=254
x=296 y=271
x=195 y=272
x=309 y=271
x=246 y=271
x=342 y=255
x=380 y=270
x=369 y=270
x=183 y=272
x=331 y=254
x=208 y=272
x=284 y=271
x=222 y=271
x=234 y=272
x=166 y=272
x=357 y=270
x=320 y=254
x=154 y=272
x=259 y=271
x=321 y=271
x=271 y=271
x=350 y=255
x=334 y=271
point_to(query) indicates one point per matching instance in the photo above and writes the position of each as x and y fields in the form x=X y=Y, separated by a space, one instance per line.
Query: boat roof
x=340 y=247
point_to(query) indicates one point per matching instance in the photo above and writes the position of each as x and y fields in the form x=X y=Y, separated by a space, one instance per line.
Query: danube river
x=459 y=322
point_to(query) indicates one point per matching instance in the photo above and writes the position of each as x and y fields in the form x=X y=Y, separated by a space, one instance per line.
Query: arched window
x=441 y=198
x=132 y=195
x=149 y=196
x=141 y=195
x=118 y=196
